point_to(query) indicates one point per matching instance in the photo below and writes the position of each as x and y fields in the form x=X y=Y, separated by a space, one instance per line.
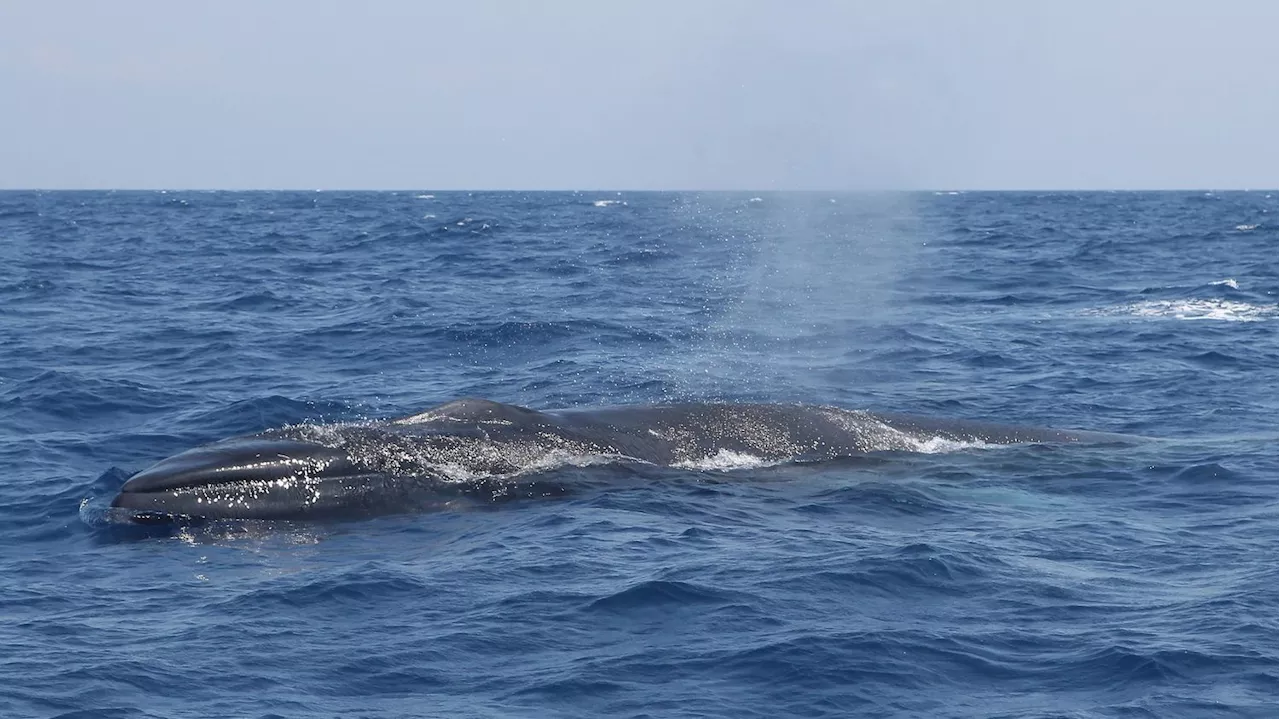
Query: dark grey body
x=314 y=471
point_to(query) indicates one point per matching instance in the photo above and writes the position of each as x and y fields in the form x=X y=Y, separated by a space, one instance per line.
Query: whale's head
x=246 y=478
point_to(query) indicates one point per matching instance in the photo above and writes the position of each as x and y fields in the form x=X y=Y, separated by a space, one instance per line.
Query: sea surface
x=1131 y=580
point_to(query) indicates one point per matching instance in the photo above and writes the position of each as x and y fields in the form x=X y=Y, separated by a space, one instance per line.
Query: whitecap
x=1224 y=310
x=1229 y=282
x=424 y=197
x=607 y=203
x=1246 y=228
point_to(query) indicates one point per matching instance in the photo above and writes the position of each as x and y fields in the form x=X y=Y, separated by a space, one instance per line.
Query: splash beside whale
x=321 y=471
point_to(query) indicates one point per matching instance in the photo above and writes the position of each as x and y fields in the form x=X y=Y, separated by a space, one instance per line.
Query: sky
x=660 y=94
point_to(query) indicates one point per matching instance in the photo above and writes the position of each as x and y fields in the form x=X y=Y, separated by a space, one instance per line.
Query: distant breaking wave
x=1192 y=309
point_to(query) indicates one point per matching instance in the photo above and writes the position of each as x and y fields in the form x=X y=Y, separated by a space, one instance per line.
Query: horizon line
x=639 y=191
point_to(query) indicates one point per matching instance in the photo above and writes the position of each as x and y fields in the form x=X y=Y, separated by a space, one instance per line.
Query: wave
x=263 y=301
x=73 y=398
x=1192 y=309
x=661 y=596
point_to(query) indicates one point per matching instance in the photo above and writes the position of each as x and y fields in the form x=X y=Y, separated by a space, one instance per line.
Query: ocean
x=961 y=580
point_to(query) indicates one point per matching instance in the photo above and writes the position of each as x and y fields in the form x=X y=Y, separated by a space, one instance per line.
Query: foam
x=882 y=437
x=1223 y=310
x=942 y=445
x=725 y=460
x=556 y=459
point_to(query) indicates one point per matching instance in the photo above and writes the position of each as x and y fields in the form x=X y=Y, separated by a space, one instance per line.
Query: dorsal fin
x=473 y=410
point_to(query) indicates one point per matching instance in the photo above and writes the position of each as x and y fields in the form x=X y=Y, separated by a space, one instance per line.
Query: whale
x=476 y=446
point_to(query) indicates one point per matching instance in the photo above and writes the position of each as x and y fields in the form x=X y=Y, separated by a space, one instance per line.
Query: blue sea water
x=965 y=581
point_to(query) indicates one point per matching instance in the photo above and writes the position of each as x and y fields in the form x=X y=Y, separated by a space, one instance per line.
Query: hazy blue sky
x=668 y=95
